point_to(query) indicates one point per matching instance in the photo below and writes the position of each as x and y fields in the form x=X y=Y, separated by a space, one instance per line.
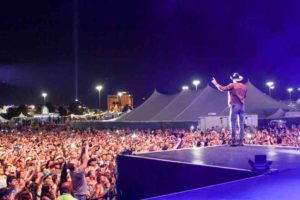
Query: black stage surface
x=231 y=157
x=219 y=172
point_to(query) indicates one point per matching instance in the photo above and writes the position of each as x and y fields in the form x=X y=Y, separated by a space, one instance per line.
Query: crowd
x=275 y=135
x=56 y=161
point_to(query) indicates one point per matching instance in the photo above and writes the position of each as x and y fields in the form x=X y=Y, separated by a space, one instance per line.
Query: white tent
x=22 y=116
x=47 y=115
x=190 y=105
x=2 y=119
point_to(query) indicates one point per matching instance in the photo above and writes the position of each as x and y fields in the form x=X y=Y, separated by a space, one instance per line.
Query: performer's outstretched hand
x=214 y=81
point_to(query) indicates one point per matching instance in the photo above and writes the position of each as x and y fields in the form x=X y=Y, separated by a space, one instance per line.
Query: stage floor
x=280 y=185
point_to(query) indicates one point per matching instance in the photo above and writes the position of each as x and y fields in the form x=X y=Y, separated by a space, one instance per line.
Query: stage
x=219 y=172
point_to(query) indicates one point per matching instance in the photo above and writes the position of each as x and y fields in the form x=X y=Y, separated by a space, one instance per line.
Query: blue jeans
x=80 y=196
x=235 y=111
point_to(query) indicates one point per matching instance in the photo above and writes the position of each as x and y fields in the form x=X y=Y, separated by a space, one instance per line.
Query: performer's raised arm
x=221 y=87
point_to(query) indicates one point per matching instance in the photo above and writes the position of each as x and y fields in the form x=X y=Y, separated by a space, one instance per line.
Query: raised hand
x=214 y=81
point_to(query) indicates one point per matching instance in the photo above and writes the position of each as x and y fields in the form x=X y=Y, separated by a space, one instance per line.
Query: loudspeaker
x=261 y=164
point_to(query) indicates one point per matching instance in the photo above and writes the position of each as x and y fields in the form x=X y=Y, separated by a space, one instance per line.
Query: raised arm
x=85 y=156
x=221 y=87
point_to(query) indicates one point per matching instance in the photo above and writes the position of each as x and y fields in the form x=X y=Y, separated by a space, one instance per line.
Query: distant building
x=120 y=102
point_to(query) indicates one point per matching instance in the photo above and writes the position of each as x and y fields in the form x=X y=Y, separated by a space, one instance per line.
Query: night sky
x=140 y=45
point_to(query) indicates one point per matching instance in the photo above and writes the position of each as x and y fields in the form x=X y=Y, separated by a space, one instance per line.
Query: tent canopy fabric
x=176 y=106
x=280 y=113
x=209 y=102
x=154 y=104
x=190 y=105
x=22 y=115
x=2 y=120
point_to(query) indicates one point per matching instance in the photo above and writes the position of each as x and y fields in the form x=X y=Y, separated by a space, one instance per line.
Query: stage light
x=73 y=145
x=290 y=90
x=270 y=83
x=185 y=87
x=99 y=88
x=271 y=86
x=44 y=95
x=196 y=83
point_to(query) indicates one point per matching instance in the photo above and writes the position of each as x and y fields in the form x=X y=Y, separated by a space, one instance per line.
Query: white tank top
x=2 y=182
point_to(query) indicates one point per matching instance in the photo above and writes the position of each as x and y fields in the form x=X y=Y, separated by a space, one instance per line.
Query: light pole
x=196 y=83
x=44 y=95
x=271 y=86
x=290 y=90
x=185 y=87
x=99 y=88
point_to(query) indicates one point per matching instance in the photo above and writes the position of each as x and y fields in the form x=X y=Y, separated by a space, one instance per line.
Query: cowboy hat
x=236 y=77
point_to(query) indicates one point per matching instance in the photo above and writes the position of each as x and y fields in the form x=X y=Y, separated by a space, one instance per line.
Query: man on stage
x=236 y=99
